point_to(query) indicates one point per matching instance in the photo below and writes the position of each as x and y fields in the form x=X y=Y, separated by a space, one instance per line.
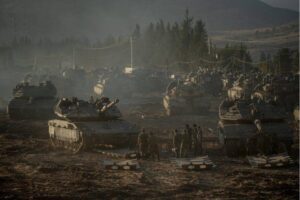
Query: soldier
x=184 y=147
x=143 y=143
x=176 y=143
x=195 y=143
x=263 y=140
x=200 y=139
x=189 y=136
x=153 y=148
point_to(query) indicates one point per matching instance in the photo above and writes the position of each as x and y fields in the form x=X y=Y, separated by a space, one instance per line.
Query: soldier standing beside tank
x=153 y=148
x=189 y=136
x=195 y=143
x=143 y=143
x=184 y=147
x=200 y=139
x=176 y=143
x=261 y=140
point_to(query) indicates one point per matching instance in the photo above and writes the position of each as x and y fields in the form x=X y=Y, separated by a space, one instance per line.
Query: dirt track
x=29 y=169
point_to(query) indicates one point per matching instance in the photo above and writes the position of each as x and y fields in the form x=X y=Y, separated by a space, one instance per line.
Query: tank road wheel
x=74 y=147
x=53 y=143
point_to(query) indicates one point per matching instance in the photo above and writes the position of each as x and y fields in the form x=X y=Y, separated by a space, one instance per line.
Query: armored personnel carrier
x=32 y=102
x=83 y=125
x=185 y=97
x=237 y=115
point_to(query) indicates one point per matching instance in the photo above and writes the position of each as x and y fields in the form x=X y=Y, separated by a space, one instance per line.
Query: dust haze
x=160 y=99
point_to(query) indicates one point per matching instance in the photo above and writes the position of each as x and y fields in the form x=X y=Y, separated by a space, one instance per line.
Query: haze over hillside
x=99 y=18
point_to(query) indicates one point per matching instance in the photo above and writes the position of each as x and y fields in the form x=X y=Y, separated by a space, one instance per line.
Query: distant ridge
x=98 y=18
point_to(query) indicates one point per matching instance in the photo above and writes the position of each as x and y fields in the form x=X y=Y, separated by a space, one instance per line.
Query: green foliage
x=284 y=61
x=164 y=44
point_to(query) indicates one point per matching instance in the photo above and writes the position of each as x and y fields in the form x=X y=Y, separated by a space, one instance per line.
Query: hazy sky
x=290 y=4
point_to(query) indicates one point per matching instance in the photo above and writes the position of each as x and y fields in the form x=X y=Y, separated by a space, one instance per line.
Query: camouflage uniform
x=176 y=142
x=153 y=148
x=143 y=140
x=195 y=143
x=200 y=139
x=189 y=136
x=184 y=147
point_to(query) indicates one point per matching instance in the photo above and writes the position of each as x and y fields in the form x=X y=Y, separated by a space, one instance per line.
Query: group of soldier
x=190 y=141
x=147 y=145
x=184 y=144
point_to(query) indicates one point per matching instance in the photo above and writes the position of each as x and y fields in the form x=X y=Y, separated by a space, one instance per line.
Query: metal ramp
x=118 y=153
x=121 y=165
x=198 y=163
x=273 y=161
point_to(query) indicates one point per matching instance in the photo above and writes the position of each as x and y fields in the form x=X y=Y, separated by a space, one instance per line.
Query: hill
x=99 y=18
x=289 y=4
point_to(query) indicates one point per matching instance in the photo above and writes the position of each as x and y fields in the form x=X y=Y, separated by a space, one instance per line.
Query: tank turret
x=32 y=101
x=43 y=90
x=102 y=109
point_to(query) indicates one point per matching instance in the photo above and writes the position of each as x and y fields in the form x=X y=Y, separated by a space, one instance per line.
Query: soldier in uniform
x=200 y=139
x=184 y=147
x=176 y=143
x=153 y=148
x=195 y=143
x=189 y=136
x=143 y=143
x=261 y=140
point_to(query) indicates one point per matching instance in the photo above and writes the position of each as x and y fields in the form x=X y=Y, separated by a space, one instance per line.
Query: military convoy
x=76 y=124
x=86 y=125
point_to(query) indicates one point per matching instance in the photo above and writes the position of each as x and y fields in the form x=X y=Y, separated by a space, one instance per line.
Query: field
x=269 y=39
x=31 y=169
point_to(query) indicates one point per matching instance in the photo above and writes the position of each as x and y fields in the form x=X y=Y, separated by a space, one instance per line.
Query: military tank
x=85 y=125
x=32 y=101
x=237 y=116
x=185 y=97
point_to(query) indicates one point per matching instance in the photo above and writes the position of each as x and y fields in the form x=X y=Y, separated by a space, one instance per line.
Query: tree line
x=184 y=45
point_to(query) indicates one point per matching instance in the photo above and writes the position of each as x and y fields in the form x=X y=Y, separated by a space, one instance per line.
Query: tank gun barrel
x=108 y=106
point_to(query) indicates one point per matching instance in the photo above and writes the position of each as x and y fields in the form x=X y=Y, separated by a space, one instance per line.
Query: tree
x=263 y=62
x=283 y=60
x=137 y=32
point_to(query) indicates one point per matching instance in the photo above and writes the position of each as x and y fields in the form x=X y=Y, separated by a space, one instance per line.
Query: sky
x=290 y=4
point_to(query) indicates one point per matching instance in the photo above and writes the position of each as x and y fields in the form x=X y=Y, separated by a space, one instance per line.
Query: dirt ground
x=30 y=169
